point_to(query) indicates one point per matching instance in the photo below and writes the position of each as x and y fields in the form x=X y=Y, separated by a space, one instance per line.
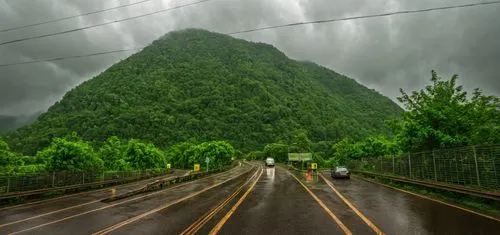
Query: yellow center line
x=136 y=218
x=200 y=222
x=108 y=206
x=222 y=206
x=224 y=219
x=432 y=199
x=335 y=218
x=363 y=217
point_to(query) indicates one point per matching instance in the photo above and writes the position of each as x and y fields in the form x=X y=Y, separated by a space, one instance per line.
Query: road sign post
x=207 y=160
x=314 y=167
x=196 y=167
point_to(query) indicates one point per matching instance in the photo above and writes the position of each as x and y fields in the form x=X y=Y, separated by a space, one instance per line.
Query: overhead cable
x=270 y=27
x=73 y=16
x=101 y=24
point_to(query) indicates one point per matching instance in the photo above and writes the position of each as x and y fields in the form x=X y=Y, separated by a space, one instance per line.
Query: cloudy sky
x=385 y=53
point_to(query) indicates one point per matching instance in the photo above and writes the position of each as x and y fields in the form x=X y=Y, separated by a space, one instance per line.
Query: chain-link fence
x=477 y=166
x=22 y=183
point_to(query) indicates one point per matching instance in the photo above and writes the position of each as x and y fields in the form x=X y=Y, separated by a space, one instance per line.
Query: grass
x=481 y=205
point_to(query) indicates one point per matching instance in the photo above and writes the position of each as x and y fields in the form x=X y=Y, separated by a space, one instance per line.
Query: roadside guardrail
x=442 y=186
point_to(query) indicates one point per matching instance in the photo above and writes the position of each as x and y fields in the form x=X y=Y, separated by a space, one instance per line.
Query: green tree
x=9 y=161
x=441 y=116
x=113 y=153
x=70 y=155
x=219 y=153
x=180 y=154
x=344 y=150
x=255 y=155
x=277 y=151
x=144 y=156
x=301 y=143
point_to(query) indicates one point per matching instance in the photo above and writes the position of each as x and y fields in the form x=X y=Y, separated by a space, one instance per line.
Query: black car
x=341 y=172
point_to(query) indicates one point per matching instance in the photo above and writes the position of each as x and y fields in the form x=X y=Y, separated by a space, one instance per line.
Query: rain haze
x=385 y=53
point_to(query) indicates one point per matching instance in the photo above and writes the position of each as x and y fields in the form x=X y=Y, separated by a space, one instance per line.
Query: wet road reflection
x=279 y=205
x=270 y=174
x=401 y=213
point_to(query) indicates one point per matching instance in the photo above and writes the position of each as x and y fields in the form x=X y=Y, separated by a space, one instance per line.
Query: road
x=249 y=200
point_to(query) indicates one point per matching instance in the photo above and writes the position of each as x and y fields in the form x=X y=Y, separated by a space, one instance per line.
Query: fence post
x=393 y=171
x=53 y=178
x=381 y=164
x=409 y=163
x=434 y=163
x=8 y=183
x=475 y=162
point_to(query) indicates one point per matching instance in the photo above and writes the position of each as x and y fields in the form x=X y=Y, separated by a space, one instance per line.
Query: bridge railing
x=48 y=180
x=473 y=166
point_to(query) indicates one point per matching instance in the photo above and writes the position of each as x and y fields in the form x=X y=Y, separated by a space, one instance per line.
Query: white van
x=269 y=161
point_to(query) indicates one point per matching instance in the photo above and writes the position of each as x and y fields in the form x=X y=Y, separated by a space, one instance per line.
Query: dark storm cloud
x=384 y=53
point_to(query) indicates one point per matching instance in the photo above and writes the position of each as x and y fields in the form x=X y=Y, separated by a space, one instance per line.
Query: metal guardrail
x=436 y=185
x=163 y=183
x=35 y=184
x=471 y=166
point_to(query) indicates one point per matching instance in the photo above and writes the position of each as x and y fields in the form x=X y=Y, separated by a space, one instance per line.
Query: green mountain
x=195 y=83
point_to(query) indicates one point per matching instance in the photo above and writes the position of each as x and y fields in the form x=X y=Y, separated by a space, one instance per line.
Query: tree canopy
x=112 y=153
x=219 y=154
x=70 y=155
x=144 y=156
x=443 y=115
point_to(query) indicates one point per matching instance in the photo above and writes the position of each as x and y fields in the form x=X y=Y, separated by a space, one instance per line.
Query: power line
x=261 y=28
x=270 y=27
x=367 y=16
x=72 y=17
x=102 y=24
x=71 y=57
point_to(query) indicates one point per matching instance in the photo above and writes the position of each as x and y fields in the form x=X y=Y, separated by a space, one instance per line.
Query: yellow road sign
x=196 y=167
x=314 y=166
x=169 y=166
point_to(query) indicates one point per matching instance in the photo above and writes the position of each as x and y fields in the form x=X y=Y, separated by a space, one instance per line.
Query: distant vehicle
x=341 y=172
x=269 y=161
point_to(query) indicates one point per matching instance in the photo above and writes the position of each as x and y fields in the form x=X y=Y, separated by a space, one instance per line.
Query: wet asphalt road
x=396 y=212
x=278 y=204
x=89 y=217
x=23 y=211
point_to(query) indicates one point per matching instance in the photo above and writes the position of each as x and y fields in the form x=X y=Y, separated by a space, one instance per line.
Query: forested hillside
x=203 y=85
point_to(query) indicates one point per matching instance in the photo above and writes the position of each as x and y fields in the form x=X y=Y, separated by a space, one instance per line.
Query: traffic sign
x=169 y=166
x=314 y=166
x=299 y=157
x=207 y=160
x=196 y=167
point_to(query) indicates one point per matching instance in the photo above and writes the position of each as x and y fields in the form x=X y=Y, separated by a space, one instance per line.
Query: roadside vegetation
x=440 y=116
x=72 y=153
